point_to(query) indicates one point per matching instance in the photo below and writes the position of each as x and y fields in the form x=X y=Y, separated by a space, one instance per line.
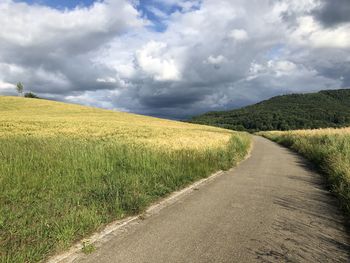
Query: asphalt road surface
x=271 y=208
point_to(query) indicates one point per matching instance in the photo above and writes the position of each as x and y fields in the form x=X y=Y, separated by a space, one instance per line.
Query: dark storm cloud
x=333 y=12
x=232 y=62
x=42 y=72
x=220 y=55
x=339 y=71
x=171 y=100
x=52 y=51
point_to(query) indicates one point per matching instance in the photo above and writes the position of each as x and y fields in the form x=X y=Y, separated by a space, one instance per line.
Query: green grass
x=329 y=150
x=88 y=248
x=55 y=190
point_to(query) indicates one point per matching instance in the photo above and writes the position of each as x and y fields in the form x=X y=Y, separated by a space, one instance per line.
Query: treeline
x=329 y=108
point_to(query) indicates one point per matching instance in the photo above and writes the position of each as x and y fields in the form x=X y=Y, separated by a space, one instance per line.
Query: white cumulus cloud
x=154 y=60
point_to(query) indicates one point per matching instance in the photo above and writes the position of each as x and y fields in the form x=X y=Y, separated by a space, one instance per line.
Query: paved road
x=271 y=208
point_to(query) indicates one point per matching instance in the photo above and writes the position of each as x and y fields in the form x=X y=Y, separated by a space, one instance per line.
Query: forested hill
x=328 y=108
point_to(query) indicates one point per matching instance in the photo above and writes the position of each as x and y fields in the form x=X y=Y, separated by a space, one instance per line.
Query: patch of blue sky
x=158 y=12
x=276 y=51
x=60 y=4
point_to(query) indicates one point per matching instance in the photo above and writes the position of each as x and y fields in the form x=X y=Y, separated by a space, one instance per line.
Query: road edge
x=76 y=250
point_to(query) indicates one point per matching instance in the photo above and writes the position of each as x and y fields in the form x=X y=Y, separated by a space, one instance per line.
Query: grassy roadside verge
x=329 y=150
x=56 y=190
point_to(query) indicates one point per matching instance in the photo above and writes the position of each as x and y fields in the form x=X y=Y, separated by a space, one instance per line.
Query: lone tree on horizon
x=19 y=88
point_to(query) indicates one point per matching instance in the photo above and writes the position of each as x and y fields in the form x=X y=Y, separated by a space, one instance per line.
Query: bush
x=31 y=95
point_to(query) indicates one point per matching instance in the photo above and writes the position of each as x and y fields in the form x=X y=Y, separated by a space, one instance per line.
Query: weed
x=88 y=248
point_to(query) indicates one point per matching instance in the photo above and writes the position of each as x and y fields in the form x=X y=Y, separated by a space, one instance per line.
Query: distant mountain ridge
x=327 y=108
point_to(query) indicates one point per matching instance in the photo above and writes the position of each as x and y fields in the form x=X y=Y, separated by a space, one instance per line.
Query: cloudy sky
x=173 y=58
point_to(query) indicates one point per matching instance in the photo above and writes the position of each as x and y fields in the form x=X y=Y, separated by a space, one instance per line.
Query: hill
x=45 y=118
x=67 y=170
x=329 y=108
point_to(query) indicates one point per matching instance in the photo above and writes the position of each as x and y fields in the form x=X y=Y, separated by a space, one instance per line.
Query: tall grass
x=61 y=177
x=329 y=150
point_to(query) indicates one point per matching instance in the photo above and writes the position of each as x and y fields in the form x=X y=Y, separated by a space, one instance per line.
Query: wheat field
x=67 y=170
x=41 y=118
x=329 y=150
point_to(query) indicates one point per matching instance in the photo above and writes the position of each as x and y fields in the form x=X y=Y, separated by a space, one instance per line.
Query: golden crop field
x=42 y=118
x=329 y=149
x=315 y=132
x=67 y=170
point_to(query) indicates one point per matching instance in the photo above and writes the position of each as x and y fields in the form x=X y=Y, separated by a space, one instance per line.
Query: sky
x=173 y=58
